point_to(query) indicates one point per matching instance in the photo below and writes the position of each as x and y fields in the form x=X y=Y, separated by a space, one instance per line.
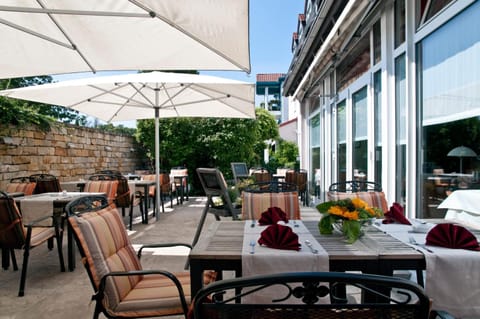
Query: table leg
x=145 y=204
x=196 y=277
x=5 y=258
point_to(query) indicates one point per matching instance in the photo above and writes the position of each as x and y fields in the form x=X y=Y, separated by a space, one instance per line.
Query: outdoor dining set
x=264 y=237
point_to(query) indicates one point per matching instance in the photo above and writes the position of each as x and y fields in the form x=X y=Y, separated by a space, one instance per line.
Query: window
x=449 y=98
x=377 y=41
x=341 y=142
x=360 y=141
x=377 y=104
x=401 y=137
x=399 y=22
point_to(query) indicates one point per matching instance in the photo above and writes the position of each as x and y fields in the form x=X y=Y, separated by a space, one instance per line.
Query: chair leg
x=130 y=217
x=14 y=259
x=26 y=253
x=59 y=237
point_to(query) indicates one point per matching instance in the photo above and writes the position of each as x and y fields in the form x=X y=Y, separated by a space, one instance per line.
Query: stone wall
x=66 y=151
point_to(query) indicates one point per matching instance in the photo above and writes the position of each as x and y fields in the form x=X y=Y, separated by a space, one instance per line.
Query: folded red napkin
x=452 y=236
x=279 y=237
x=395 y=215
x=272 y=216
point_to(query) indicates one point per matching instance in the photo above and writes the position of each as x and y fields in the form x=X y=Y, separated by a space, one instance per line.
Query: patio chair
x=299 y=178
x=122 y=289
x=122 y=197
x=45 y=183
x=15 y=235
x=299 y=295
x=258 y=197
x=21 y=185
x=166 y=189
x=370 y=192
x=179 y=180
x=240 y=171
x=214 y=185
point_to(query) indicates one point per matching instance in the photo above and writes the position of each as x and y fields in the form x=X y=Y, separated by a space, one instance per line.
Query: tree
x=207 y=142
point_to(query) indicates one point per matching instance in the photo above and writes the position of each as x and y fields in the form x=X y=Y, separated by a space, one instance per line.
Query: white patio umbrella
x=147 y=95
x=461 y=152
x=45 y=37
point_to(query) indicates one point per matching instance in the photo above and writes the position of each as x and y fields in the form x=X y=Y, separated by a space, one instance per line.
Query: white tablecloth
x=268 y=260
x=452 y=278
x=463 y=207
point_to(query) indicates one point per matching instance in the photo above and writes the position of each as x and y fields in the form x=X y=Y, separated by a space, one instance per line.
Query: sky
x=272 y=23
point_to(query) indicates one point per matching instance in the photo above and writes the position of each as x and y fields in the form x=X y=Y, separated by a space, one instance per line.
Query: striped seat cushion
x=374 y=199
x=254 y=204
x=107 y=187
x=107 y=248
x=25 y=188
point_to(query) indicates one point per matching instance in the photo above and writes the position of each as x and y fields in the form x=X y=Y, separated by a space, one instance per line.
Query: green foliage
x=119 y=129
x=207 y=142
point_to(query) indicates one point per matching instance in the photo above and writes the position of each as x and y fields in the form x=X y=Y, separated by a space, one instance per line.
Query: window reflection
x=450 y=108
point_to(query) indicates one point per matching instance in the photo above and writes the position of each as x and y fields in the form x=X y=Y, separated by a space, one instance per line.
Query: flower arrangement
x=351 y=213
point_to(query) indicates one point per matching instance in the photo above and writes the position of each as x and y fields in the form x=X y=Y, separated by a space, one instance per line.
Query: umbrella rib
x=74 y=12
x=222 y=98
x=138 y=90
x=74 y=46
x=189 y=34
x=170 y=98
x=36 y=34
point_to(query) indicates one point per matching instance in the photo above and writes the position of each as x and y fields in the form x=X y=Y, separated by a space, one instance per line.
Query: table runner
x=268 y=261
x=452 y=275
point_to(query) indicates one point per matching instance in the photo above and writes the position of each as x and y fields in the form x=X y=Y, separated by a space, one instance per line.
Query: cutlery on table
x=309 y=244
x=412 y=241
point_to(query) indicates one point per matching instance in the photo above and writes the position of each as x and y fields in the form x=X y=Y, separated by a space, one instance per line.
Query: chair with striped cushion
x=257 y=198
x=370 y=192
x=100 y=183
x=15 y=235
x=122 y=288
x=21 y=185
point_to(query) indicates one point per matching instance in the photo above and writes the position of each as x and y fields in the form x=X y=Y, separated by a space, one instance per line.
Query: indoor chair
x=122 y=289
x=298 y=297
x=15 y=235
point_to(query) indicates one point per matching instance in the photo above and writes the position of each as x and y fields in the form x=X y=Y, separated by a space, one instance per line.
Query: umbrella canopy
x=50 y=37
x=147 y=95
x=461 y=152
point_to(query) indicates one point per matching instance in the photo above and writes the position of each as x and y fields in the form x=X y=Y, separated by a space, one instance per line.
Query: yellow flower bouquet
x=350 y=214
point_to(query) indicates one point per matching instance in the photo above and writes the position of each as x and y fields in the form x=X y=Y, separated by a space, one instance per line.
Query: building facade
x=387 y=89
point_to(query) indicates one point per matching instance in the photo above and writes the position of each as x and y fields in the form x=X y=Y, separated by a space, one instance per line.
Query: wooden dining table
x=376 y=252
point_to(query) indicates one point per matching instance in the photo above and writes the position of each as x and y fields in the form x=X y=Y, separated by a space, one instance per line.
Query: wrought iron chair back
x=299 y=297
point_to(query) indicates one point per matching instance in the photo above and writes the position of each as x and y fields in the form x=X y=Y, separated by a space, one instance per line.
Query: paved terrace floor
x=52 y=294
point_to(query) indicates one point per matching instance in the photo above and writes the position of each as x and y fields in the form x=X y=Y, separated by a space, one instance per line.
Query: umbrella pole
x=157 y=163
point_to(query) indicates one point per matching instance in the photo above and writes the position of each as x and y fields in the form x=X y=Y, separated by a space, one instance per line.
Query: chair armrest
x=139 y=253
x=101 y=288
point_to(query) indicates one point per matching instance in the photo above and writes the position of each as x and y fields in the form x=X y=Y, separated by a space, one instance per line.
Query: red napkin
x=272 y=216
x=395 y=215
x=279 y=237
x=452 y=236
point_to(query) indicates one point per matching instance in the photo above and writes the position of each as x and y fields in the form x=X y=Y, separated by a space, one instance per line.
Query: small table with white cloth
x=47 y=204
x=463 y=206
x=452 y=278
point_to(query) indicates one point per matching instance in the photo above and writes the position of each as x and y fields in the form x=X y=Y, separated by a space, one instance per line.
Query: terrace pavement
x=52 y=294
